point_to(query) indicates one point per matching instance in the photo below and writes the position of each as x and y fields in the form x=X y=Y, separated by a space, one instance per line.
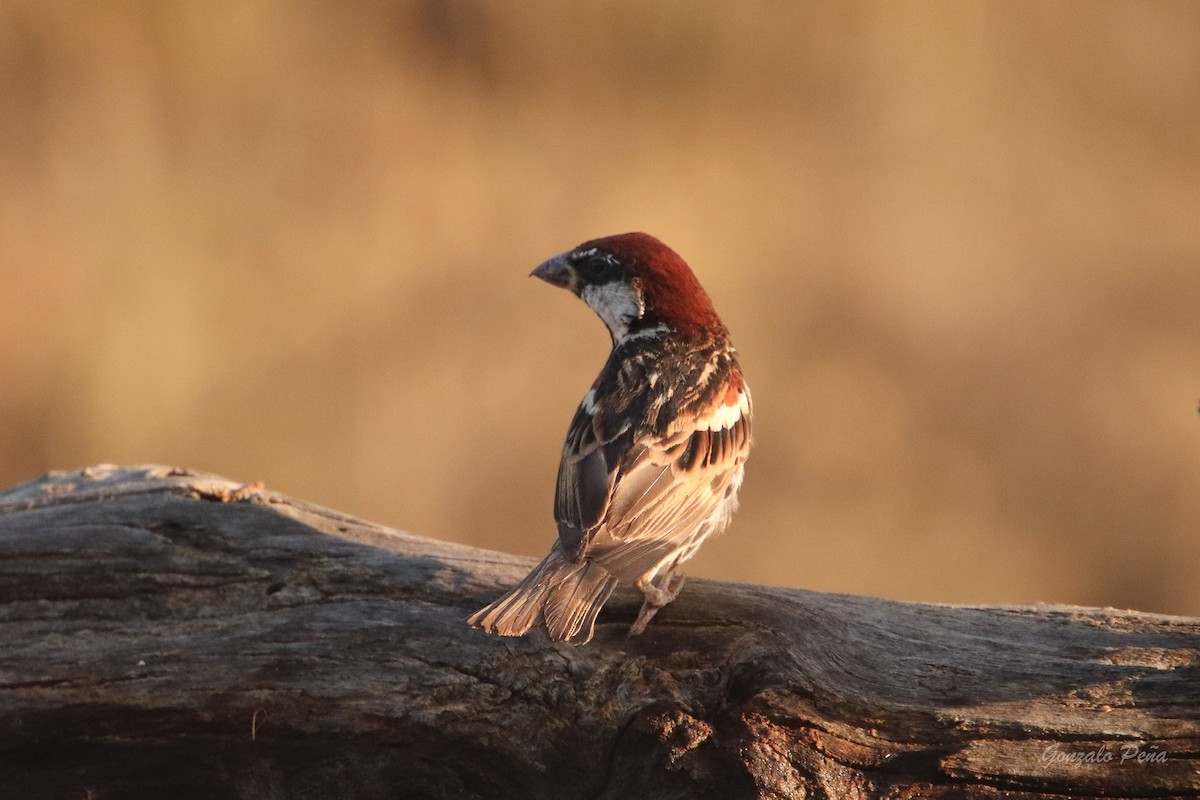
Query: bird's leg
x=659 y=590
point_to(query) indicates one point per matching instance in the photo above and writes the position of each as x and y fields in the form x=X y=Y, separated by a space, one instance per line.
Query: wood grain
x=165 y=633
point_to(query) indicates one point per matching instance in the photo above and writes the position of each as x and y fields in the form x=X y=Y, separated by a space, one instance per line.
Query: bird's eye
x=598 y=268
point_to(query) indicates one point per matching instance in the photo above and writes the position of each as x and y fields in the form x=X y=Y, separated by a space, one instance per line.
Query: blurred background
x=958 y=245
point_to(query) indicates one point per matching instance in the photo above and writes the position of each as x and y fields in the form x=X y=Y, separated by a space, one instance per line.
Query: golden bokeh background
x=958 y=245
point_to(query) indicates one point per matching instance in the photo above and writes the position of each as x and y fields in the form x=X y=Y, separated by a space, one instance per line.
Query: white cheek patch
x=648 y=333
x=617 y=304
x=726 y=416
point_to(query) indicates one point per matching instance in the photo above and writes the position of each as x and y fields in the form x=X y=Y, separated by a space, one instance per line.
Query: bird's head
x=637 y=285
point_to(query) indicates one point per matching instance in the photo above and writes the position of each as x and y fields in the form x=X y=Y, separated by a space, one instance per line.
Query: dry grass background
x=958 y=245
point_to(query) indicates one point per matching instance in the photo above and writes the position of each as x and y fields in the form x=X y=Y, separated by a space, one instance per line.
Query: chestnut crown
x=637 y=285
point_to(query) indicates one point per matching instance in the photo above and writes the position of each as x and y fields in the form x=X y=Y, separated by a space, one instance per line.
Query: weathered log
x=172 y=634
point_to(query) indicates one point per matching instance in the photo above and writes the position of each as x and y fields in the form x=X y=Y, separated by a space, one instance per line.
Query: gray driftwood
x=175 y=635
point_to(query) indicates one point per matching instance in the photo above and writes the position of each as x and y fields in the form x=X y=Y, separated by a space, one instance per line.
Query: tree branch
x=173 y=634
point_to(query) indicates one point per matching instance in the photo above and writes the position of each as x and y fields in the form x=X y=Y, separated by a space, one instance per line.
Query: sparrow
x=655 y=454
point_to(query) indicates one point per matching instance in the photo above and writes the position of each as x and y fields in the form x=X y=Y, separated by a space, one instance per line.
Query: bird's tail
x=567 y=594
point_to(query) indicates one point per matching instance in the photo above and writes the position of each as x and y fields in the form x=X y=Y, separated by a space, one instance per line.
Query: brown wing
x=677 y=490
x=585 y=479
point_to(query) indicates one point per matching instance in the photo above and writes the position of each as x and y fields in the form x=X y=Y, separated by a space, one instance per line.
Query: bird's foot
x=658 y=594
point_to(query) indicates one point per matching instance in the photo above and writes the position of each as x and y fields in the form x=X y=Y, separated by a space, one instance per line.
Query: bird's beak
x=556 y=272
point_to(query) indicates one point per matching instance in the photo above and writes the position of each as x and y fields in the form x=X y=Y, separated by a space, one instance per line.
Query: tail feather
x=571 y=609
x=567 y=594
x=517 y=610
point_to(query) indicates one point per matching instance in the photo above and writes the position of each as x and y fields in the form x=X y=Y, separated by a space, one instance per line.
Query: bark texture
x=173 y=634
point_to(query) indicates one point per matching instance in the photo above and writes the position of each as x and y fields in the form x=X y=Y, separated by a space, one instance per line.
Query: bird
x=655 y=455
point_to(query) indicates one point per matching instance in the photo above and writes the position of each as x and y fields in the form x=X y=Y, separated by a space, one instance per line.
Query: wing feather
x=635 y=489
x=586 y=474
x=676 y=492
